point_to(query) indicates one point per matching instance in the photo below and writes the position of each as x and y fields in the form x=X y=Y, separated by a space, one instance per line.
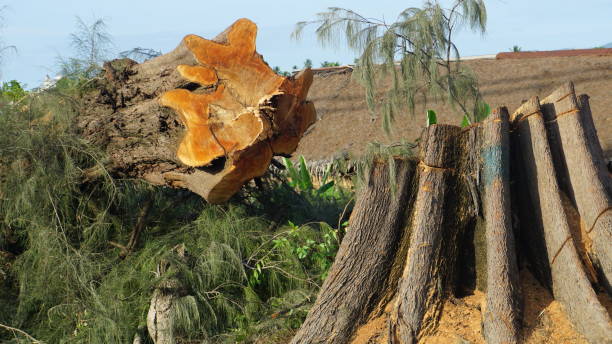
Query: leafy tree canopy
x=417 y=50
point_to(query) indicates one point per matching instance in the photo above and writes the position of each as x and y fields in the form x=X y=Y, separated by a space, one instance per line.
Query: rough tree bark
x=501 y=313
x=234 y=114
x=356 y=280
x=584 y=172
x=423 y=285
x=570 y=284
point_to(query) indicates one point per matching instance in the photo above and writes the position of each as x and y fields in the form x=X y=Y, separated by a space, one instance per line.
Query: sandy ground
x=345 y=123
x=544 y=321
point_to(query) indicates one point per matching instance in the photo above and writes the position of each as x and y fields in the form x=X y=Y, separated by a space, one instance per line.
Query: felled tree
x=232 y=114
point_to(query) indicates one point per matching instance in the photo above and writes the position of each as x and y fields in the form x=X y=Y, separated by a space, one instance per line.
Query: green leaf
x=293 y=173
x=465 y=122
x=431 y=117
x=326 y=174
x=325 y=187
x=305 y=179
x=483 y=110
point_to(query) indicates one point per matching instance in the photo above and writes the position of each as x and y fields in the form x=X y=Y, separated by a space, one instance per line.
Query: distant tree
x=4 y=48
x=330 y=64
x=140 y=54
x=516 y=49
x=12 y=91
x=92 y=44
x=420 y=42
x=278 y=71
x=294 y=67
x=308 y=63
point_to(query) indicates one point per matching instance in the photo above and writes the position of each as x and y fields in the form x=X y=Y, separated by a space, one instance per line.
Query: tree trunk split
x=584 y=172
x=570 y=284
x=501 y=313
x=423 y=285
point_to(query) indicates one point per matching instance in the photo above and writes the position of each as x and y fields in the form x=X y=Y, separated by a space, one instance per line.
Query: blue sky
x=40 y=29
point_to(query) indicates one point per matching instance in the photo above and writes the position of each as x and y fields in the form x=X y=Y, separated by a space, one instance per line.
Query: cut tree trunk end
x=570 y=284
x=423 y=285
x=360 y=273
x=584 y=172
x=235 y=110
x=501 y=312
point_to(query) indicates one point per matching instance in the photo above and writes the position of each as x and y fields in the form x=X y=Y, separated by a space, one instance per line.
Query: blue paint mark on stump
x=495 y=160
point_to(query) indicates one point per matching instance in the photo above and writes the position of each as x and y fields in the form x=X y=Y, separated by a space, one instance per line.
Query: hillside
x=344 y=123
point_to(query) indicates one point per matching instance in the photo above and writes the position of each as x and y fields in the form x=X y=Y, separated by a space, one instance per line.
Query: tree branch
x=21 y=332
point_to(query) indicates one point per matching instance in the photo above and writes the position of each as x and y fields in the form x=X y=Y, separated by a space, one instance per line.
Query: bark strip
x=363 y=263
x=570 y=284
x=585 y=171
x=501 y=314
x=423 y=285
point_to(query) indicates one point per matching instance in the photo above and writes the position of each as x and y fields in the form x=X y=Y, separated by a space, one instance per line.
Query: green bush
x=12 y=91
x=251 y=268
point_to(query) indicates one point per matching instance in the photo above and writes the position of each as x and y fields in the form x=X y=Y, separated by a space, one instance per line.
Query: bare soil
x=345 y=124
x=544 y=320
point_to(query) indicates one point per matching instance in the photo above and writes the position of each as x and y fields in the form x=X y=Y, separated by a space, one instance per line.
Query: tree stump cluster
x=511 y=177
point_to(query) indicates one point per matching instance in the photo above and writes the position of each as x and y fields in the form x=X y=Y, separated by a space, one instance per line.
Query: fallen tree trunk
x=570 y=284
x=501 y=314
x=233 y=113
x=585 y=172
x=423 y=286
x=357 y=280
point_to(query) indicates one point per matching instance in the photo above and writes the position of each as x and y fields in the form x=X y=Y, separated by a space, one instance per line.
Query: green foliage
x=330 y=64
x=250 y=268
x=300 y=179
x=465 y=122
x=431 y=117
x=12 y=91
x=482 y=111
x=417 y=50
x=516 y=49
x=308 y=63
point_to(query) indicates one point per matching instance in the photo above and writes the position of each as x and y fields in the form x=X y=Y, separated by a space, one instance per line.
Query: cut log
x=361 y=270
x=585 y=170
x=570 y=284
x=501 y=313
x=233 y=114
x=423 y=285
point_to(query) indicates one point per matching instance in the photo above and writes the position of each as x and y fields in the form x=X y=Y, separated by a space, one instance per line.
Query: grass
x=250 y=268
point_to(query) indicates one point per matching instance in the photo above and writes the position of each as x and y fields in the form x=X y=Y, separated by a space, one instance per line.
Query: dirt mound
x=544 y=320
x=345 y=124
